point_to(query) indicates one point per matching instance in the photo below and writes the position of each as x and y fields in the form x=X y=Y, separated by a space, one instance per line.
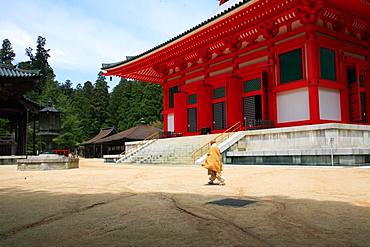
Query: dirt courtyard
x=108 y=205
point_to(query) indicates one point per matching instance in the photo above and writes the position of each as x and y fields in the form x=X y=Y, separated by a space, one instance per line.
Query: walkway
x=107 y=205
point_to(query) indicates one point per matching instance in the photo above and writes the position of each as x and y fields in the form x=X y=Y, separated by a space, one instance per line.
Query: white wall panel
x=293 y=106
x=171 y=122
x=329 y=104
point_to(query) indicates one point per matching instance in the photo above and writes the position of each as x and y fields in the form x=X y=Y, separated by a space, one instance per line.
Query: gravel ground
x=108 y=205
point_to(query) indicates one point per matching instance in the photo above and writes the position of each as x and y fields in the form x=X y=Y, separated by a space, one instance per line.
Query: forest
x=89 y=106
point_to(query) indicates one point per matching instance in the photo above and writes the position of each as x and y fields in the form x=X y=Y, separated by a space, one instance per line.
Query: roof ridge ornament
x=50 y=102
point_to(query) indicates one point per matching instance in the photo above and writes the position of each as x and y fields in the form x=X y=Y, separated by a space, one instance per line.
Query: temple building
x=18 y=109
x=109 y=142
x=262 y=63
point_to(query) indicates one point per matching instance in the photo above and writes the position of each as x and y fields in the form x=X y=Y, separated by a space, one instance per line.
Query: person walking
x=213 y=164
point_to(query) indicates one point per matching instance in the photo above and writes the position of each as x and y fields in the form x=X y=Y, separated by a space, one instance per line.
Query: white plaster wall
x=171 y=122
x=293 y=106
x=329 y=104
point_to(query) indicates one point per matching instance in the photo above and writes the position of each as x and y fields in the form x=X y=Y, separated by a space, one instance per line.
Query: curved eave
x=146 y=78
x=107 y=67
x=361 y=8
x=212 y=33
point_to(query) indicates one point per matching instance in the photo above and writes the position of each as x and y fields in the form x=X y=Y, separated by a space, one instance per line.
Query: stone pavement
x=107 y=205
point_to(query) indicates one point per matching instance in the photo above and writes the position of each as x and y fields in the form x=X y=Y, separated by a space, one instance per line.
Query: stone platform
x=11 y=159
x=323 y=144
x=47 y=162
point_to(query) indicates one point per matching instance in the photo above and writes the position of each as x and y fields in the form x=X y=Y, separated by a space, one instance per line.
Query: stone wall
x=349 y=144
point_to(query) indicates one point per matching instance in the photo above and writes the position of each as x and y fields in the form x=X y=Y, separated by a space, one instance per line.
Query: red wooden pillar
x=344 y=109
x=344 y=100
x=165 y=106
x=367 y=97
x=313 y=62
x=180 y=112
x=204 y=106
x=234 y=96
x=313 y=92
x=271 y=85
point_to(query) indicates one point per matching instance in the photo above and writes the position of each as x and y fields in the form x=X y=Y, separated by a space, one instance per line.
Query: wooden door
x=353 y=95
x=219 y=116
x=192 y=120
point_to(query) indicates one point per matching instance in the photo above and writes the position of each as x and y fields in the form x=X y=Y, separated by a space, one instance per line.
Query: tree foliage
x=89 y=107
x=132 y=101
x=39 y=62
x=6 y=52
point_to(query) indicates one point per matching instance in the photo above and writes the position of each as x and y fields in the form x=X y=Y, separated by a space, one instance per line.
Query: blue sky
x=83 y=34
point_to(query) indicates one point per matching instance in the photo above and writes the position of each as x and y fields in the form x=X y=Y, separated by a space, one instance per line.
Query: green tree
x=83 y=108
x=101 y=101
x=119 y=105
x=132 y=101
x=7 y=54
x=39 y=62
x=67 y=89
x=88 y=108
x=70 y=133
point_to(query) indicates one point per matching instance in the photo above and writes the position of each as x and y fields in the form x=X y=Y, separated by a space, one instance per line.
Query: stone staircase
x=176 y=150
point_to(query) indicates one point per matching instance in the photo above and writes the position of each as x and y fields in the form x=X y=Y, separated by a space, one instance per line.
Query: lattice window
x=252 y=85
x=351 y=75
x=291 y=66
x=219 y=93
x=172 y=92
x=192 y=99
x=327 y=64
x=362 y=80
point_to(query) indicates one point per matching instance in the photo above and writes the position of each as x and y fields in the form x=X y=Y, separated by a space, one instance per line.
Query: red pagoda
x=285 y=63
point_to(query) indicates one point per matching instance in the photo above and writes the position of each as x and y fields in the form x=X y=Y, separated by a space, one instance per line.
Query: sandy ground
x=107 y=205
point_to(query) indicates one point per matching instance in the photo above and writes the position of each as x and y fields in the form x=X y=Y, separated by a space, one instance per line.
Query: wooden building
x=108 y=141
x=90 y=149
x=115 y=144
x=289 y=63
x=19 y=110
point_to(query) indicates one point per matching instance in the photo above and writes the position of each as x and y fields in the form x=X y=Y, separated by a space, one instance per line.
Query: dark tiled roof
x=139 y=132
x=215 y=17
x=10 y=71
x=31 y=105
x=102 y=134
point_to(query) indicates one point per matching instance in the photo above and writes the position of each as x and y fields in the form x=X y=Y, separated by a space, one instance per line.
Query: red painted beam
x=357 y=8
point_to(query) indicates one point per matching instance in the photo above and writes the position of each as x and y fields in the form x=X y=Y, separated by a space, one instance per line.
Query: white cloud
x=20 y=38
x=82 y=35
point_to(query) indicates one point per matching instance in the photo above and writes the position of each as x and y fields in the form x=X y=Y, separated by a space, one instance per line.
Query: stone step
x=169 y=151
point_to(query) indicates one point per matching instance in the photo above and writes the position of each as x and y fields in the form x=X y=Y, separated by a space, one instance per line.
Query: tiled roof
x=229 y=7
x=102 y=134
x=139 y=132
x=10 y=71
